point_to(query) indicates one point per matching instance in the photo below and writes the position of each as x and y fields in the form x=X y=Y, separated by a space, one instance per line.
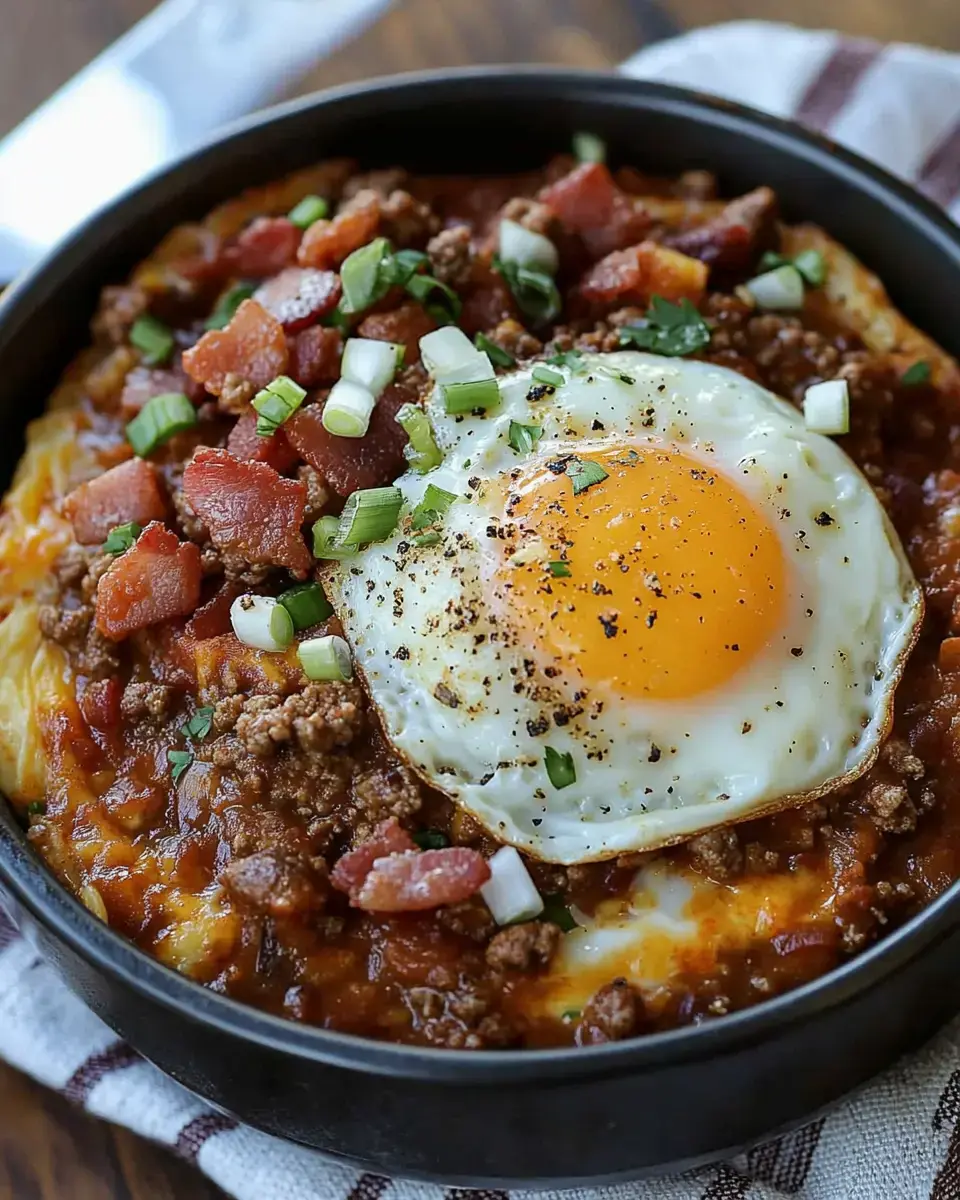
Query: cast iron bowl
x=550 y=1116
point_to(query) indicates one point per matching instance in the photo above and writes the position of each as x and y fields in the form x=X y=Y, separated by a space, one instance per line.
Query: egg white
x=784 y=729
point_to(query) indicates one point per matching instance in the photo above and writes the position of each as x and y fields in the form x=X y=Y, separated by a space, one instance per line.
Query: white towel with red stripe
x=900 y=1137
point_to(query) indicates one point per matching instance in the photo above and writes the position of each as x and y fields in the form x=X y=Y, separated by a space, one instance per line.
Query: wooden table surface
x=48 y=1150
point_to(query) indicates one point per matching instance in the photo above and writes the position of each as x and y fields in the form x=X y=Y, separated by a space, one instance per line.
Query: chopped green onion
x=399 y=352
x=430 y=538
x=467 y=397
x=556 y=911
x=37 y=808
x=916 y=373
x=497 y=355
x=559 y=569
x=159 y=419
x=228 y=304
x=826 y=407
x=771 y=259
x=567 y=358
x=812 y=266
x=261 y=622
x=325 y=545
x=584 y=473
x=523 y=438
x=560 y=768
x=431 y=839
x=445 y=352
x=780 y=289
x=547 y=375
x=277 y=402
x=674 y=329
x=153 y=339
x=370 y=363
x=310 y=209
x=369 y=515
x=534 y=291
x=422 y=451
x=199 y=724
x=525 y=248
x=306 y=604
x=400 y=268
x=348 y=409
x=362 y=277
x=179 y=760
x=338 y=320
x=121 y=538
x=438 y=299
x=433 y=504
x=588 y=148
x=510 y=893
x=326 y=659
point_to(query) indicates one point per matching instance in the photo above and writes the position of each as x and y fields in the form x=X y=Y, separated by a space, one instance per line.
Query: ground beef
x=716 y=853
x=278 y=884
x=892 y=795
x=451 y=257
x=235 y=395
x=459 y=1020
x=318 y=496
x=381 y=182
x=146 y=701
x=119 y=308
x=532 y=215
x=405 y=220
x=74 y=629
x=321 y=718
x=511 y=336
x=227 y=711
x=385 y=792
x=611 y=1014
x=470 y=919
x=213 y=561
x=523 y=947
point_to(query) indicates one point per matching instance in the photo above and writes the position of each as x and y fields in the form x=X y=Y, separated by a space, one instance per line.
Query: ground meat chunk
x=451 y=258
x=321 y=718
x=278 y=884
x=716 y=853
x=146 y=700
x=697 y=185
x=511 y=336
x=524 y=947
x=532 y=215
x=236 y=394
x=470 y=919
x=613 y=1013
x=318 y=497
x=385 y=792
x=74 y=629
x=382 y=182
x=405 y=220
x=119 y=308
x=459 y=1020
x=226 y=712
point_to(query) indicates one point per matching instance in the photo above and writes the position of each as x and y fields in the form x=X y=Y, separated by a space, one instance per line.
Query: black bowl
x=558 y=1116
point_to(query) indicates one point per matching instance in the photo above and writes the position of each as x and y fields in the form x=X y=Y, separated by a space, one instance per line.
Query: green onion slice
x=432 y=506
x=422 y=451
x=153 y=339
x=523 y=438
x=431 y=839
x=179 y=760
x=584 y=473
x=277 y=402
x=497 y=355
x=589 y=148
x=543 y=374
x=916 y=373
x=559 y=569
x=363 y=279
x=555 y=910
x=261 y=623
x=369 y=515
x=534 y=291
x=159 y=419
x=310 y=209
x=121 y=538
x=348 y=408
x=430 y=538
x=567 y=358
x=325 y=544
x=228 y=304
x=438 y=299
x=307 y=605
x=326 y=659
x=469 y=397
x=400 y=268
x=560 y=769
x=810 y=263
x=199 y=724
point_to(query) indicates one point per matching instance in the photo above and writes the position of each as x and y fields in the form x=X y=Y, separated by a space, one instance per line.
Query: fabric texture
x=899 y=1138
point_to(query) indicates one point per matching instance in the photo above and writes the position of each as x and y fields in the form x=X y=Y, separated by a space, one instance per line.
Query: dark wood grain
x=48 y=1150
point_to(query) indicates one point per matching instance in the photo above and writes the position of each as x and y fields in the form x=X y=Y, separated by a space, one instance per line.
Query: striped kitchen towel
x=899 y=1138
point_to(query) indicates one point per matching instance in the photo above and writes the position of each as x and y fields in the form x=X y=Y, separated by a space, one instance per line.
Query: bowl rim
x=48 y=902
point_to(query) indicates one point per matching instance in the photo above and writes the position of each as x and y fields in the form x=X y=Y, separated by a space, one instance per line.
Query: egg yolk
x=660 y=581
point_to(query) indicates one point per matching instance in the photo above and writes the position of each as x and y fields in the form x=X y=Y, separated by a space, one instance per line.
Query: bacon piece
x=252 y=346
x=299 y=296
x=143 y=383
x=406 y=324
x=129 y=492
x=156 y=579
x=248 y=507
x=589 y=202
x=100 y=704
x=632 y=276
x=350 y=463
x=732 y=240
x=420 y=880
x=315 y=356
x=327 y=243
x=244 y=442
x=213 y=618
x=352 y=868
x=266 y=246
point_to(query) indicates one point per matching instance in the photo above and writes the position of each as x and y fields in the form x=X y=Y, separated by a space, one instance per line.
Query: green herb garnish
x=545 y=374
x=584 y=473
x=560 y=769
x=534 y=291
x=523 y=438
x=153 y=339
x=916 y=373
x=431 y=839
x=310 y=209
x=179 y=760
x=810 y=263
x=497 y=355
x=559 y=569
x=121 y=538
x=432 y=507
x=37 y=808
x=199 y=724
x=556 y=911
x=674 y=329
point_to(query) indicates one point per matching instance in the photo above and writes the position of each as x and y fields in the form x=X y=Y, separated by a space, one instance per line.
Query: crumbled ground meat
x=235 y=395
x=522 y=947
x=73 y=629
x=470 y=918
x=119 y=308
x=893 y=796
x=318 y=496
x=716 y=853
x=213 y=561
x=380 y=182
x=227 y=711
x=511 y=336
x=278 y=884
x=611 y=1014
x=451 y=258
x=383 y=793
x=459 y=1020
x=321 y=718
x=146 y=700
x=759 y=859
x=531 y=214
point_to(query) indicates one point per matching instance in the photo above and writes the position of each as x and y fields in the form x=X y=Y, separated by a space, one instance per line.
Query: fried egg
x=666 y=607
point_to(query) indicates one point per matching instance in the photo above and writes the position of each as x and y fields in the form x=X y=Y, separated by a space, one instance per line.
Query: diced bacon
x=252 y=346
x=486 y=302
x=327 y=243
x=100 y=704
x=632 y=276
x=156 y=579
x=589 y=202
x=949 y=656
x=352 y=868
x=299 y=296
x=315 y=356
x=420 y=880
x=350 y=463
x=244 y=442
x=213 y=618
x=248 y=507
x=266 y=246
x=733 y=239
x=129 y=492
x=143 y=383
x=406 y=324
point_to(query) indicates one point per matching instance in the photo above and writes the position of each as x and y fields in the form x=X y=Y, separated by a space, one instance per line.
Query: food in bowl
x=497 y=612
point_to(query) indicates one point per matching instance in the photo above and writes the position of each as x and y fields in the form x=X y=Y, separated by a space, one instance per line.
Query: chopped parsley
x=179 y=760
x=560 y=769
x=675 y=329
x=523 y=438
x=36 y=808
x=431 y=839
x=584 y=473
x=567 y=358
x=556 y=911
x=121 y=538
x=497 y=355
x=199 y=724
x=916 y=373
x=534 y=291
x=559 y=569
